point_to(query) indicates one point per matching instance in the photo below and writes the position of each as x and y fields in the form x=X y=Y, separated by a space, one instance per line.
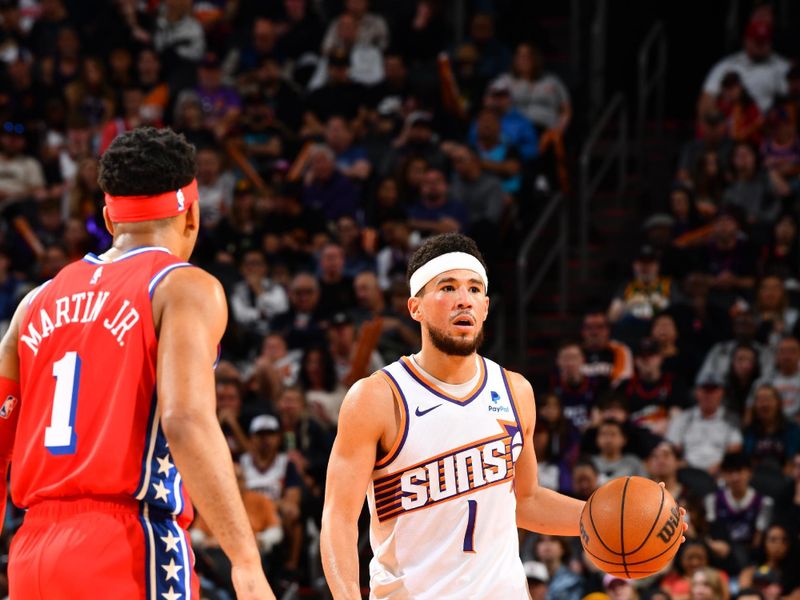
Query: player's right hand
x=250 y=583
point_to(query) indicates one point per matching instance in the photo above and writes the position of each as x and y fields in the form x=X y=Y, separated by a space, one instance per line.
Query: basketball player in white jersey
x=441 y=443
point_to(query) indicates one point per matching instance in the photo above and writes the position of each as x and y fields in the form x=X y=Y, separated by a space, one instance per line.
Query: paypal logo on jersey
x=495 y=401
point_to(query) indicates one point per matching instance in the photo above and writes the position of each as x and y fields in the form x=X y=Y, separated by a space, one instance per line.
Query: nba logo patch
x=8 y=406
x=180 y=199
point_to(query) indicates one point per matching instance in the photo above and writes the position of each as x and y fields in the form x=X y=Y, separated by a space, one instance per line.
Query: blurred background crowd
x=333 y=136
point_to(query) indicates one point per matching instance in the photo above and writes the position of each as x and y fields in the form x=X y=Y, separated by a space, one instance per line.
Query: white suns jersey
x=442 y=503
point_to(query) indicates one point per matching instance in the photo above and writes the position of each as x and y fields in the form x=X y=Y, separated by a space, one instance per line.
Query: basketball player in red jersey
x=109 y=412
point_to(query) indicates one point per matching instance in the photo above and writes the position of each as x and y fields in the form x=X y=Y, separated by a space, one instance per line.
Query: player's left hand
x=683 y=514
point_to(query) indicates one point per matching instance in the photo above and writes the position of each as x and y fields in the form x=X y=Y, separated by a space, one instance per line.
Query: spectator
x=619 y=589
x=414 y=151
x=692 y=557
x=436 y=212
x=299 y=31
x=215 y=186
x=662 y=465
x=156 y=93
x=498 y=157
x=351 y=159
x=21 y=175
x=229 y=411
x=516 y=130
x=781 y=149
x=654 y=397
x=743 y=115
x=683 y=210
x=358 y=255
x=43 y=36
x=710 y=181
x=256 y=300
x=247 y=57
x=280 y=95
x=576 y=392
x=785 y=377
x=189 y=120
x=538 y=578
x=494 y=55
x=614 y=405
x=327 y=189
x=776 y=318
x=339 y=95
x=392 y=260
x=554 y=553
x=221 y=104
x=718 y=359
x=743 y=511
x=634 y=305
x=763 y=72
x=481 y=193
x=179 y=38
x=420 y=33
x=744 y=371
x=750 y=190
x=728 y=259
x=540 y=96
x=584 y=478
x=301 y=324
x=364 y=60
x=275 y=368
x=674 y=361
x=336 y=288
x=237 y=231
x=319 y=379
x=258 y=136
x=264 y=519
x=777 y=555
x=781 y=255
x=770 y=437
x=611 y=462
x=130 y=117
x=706 y=432
x=269 y=471
x=608 y=362
x=371 y=29
x=552 y=470
x=713 y=138
x=564 y=436
x=707 y=584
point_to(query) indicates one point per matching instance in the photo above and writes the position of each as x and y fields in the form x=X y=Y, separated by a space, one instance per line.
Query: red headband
x=128 y=209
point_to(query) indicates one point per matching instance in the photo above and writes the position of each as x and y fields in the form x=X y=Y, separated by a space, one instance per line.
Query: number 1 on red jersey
x=59 y=437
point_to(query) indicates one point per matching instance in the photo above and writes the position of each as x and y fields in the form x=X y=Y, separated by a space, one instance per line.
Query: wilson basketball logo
x=671 y=526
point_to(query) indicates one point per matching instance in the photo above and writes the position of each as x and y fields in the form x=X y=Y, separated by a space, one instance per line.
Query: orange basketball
x=631 y=527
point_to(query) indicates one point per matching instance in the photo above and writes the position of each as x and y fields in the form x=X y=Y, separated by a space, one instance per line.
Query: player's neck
x=126 y=241
x=447 y=367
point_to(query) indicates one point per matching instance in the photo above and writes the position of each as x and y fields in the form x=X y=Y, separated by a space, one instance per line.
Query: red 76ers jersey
x=88 y=421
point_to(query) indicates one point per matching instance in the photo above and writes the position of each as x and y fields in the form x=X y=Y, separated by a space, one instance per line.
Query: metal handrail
x=527 y=287
x=652 y=81
x=597 y=58
x=615 y=151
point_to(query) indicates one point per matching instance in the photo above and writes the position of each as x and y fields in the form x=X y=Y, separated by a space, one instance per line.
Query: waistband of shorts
x=73 y=506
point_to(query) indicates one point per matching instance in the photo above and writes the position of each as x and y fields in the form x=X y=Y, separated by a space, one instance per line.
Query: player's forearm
x=203 y=459
x=339 y=548
x=549 y=512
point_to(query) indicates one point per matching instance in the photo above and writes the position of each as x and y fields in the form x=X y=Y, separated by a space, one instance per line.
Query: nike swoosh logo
x=420 y=413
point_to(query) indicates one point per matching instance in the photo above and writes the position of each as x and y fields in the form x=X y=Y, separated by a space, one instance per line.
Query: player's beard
x=455 y=346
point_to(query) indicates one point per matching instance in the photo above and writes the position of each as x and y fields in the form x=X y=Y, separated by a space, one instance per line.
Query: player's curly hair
x=147 y=161
x=442 y=244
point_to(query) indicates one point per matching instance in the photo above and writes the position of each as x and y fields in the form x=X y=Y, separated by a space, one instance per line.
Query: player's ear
x=415 y=308
x=107 y=221
x=193 y=217
x=486 y=307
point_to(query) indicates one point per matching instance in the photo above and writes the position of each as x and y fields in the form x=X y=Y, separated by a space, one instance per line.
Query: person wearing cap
x=763 y=71
x=637 y=301
x=21 y=175
x=221 y=103
x=538 y=578
x=706 y=432
x=516 y=130
x=404 y=430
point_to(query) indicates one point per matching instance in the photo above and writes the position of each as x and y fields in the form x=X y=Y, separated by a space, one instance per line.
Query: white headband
x=446 y=262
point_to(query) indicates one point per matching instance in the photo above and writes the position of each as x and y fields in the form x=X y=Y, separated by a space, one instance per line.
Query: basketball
x=631 y=527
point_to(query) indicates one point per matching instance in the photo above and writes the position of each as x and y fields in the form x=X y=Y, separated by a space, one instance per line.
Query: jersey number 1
x=59 y=437
x=469 y=536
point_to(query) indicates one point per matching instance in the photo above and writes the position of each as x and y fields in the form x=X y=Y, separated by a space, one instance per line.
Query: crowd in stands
x=332 y=136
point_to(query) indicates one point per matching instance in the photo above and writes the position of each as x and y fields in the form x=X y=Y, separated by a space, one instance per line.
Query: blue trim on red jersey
x=91 y=257
x=158 y=277
x=167 y=568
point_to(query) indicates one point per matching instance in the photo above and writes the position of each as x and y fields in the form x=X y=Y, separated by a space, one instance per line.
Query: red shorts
x=80 y=549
